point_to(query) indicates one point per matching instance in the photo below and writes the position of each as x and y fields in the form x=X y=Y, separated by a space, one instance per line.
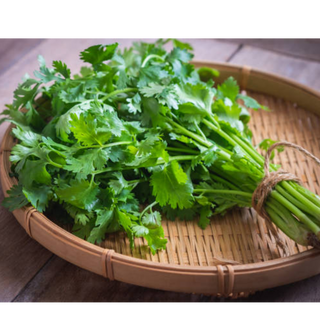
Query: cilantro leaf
x=38 y=197
x=229 y=88
x=81 y=194
x=104 y=218
x=16 y=198
x=86 y=132
x=98 y=53
x=171 y=186
x=61 y=68
x=152 y=220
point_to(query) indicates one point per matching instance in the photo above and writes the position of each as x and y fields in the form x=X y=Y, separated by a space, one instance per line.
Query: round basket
x=236 y=254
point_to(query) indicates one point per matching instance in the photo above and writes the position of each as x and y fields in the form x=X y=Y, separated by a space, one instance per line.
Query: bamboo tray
x=196 y=260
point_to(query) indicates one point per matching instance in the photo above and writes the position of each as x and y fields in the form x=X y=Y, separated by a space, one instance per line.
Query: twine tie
x=270 y=180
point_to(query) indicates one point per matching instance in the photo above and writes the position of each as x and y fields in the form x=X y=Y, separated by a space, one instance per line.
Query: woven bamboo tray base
x=198 y=256
x=241 y=235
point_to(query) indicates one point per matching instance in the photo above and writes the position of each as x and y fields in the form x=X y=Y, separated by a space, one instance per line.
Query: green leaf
x=119 y=184
x=206 y=73
x=229 y=88
x=25 y=93
x=266 y=144
x=152 y=73
x=151 y=112
x=45 y=74
x=98 y=53
x=194 y=98
x=182 y=45
x=38 y=196
x=126 y=224
x=120 y=66
x=73 y=94
x=81 y=194
x=104 y=218
x=86 y=132
x=152 y=220
x=171 y=186
x=63 y=123
x=34 y=170
x=156 y=239
x=90 y=160
x=27 y=138
x=165 y=94
x=134 y=104
x=139 y=231
x=61 y=68
x=83 y=231
x=16 y=198
x=250 y=102
x=205 y=214
x=229 y=115
x=179 y=54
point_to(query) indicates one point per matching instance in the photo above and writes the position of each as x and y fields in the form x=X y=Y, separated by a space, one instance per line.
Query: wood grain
x=20 y=256
x=11 y=50
x=60 y=281
x=305 y=72
x=307 y=49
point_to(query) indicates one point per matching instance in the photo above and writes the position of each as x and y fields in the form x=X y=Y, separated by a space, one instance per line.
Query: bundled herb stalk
x=137 y=133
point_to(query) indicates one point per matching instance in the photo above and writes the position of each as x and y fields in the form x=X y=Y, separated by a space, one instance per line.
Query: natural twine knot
x=270 y=180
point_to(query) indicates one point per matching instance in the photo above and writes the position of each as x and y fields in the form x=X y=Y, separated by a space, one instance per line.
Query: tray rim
x=196 y=279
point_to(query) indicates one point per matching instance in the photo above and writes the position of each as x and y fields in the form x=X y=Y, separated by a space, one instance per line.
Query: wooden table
x=28 y=272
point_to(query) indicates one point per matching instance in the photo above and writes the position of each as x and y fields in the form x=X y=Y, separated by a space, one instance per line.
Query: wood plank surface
x=29 y=272
x=303 y=71
x=308 y=49
x=60 y=281
x=11 y=50
x=20 y=256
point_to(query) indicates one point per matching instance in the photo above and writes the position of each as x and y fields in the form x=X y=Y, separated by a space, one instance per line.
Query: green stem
x=225 y=155
x=224 y=181
x=159 y=162
x=149 y=207
x=190 y=134
x=288 y=224
x=298 y=213
x=136 y=181
x=254 y=154
x=179 y=158
x=200 y=131
x=314 y=210
x=108 y=145
x=307 y=194
x=114 y=93
x=54 y=164
x=151 y=56
x=182 y=150
x=227 y=137
x=233 y=192
x=293 y=200
x=216 y=123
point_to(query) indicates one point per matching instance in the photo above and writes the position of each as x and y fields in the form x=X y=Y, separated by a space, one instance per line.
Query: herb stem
x=149 y=207
x=182 y=150
x=116 y=92
x=108 y=145
x=234 y=192
x=54 y=164
x=298 y=213
x=149 y=57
